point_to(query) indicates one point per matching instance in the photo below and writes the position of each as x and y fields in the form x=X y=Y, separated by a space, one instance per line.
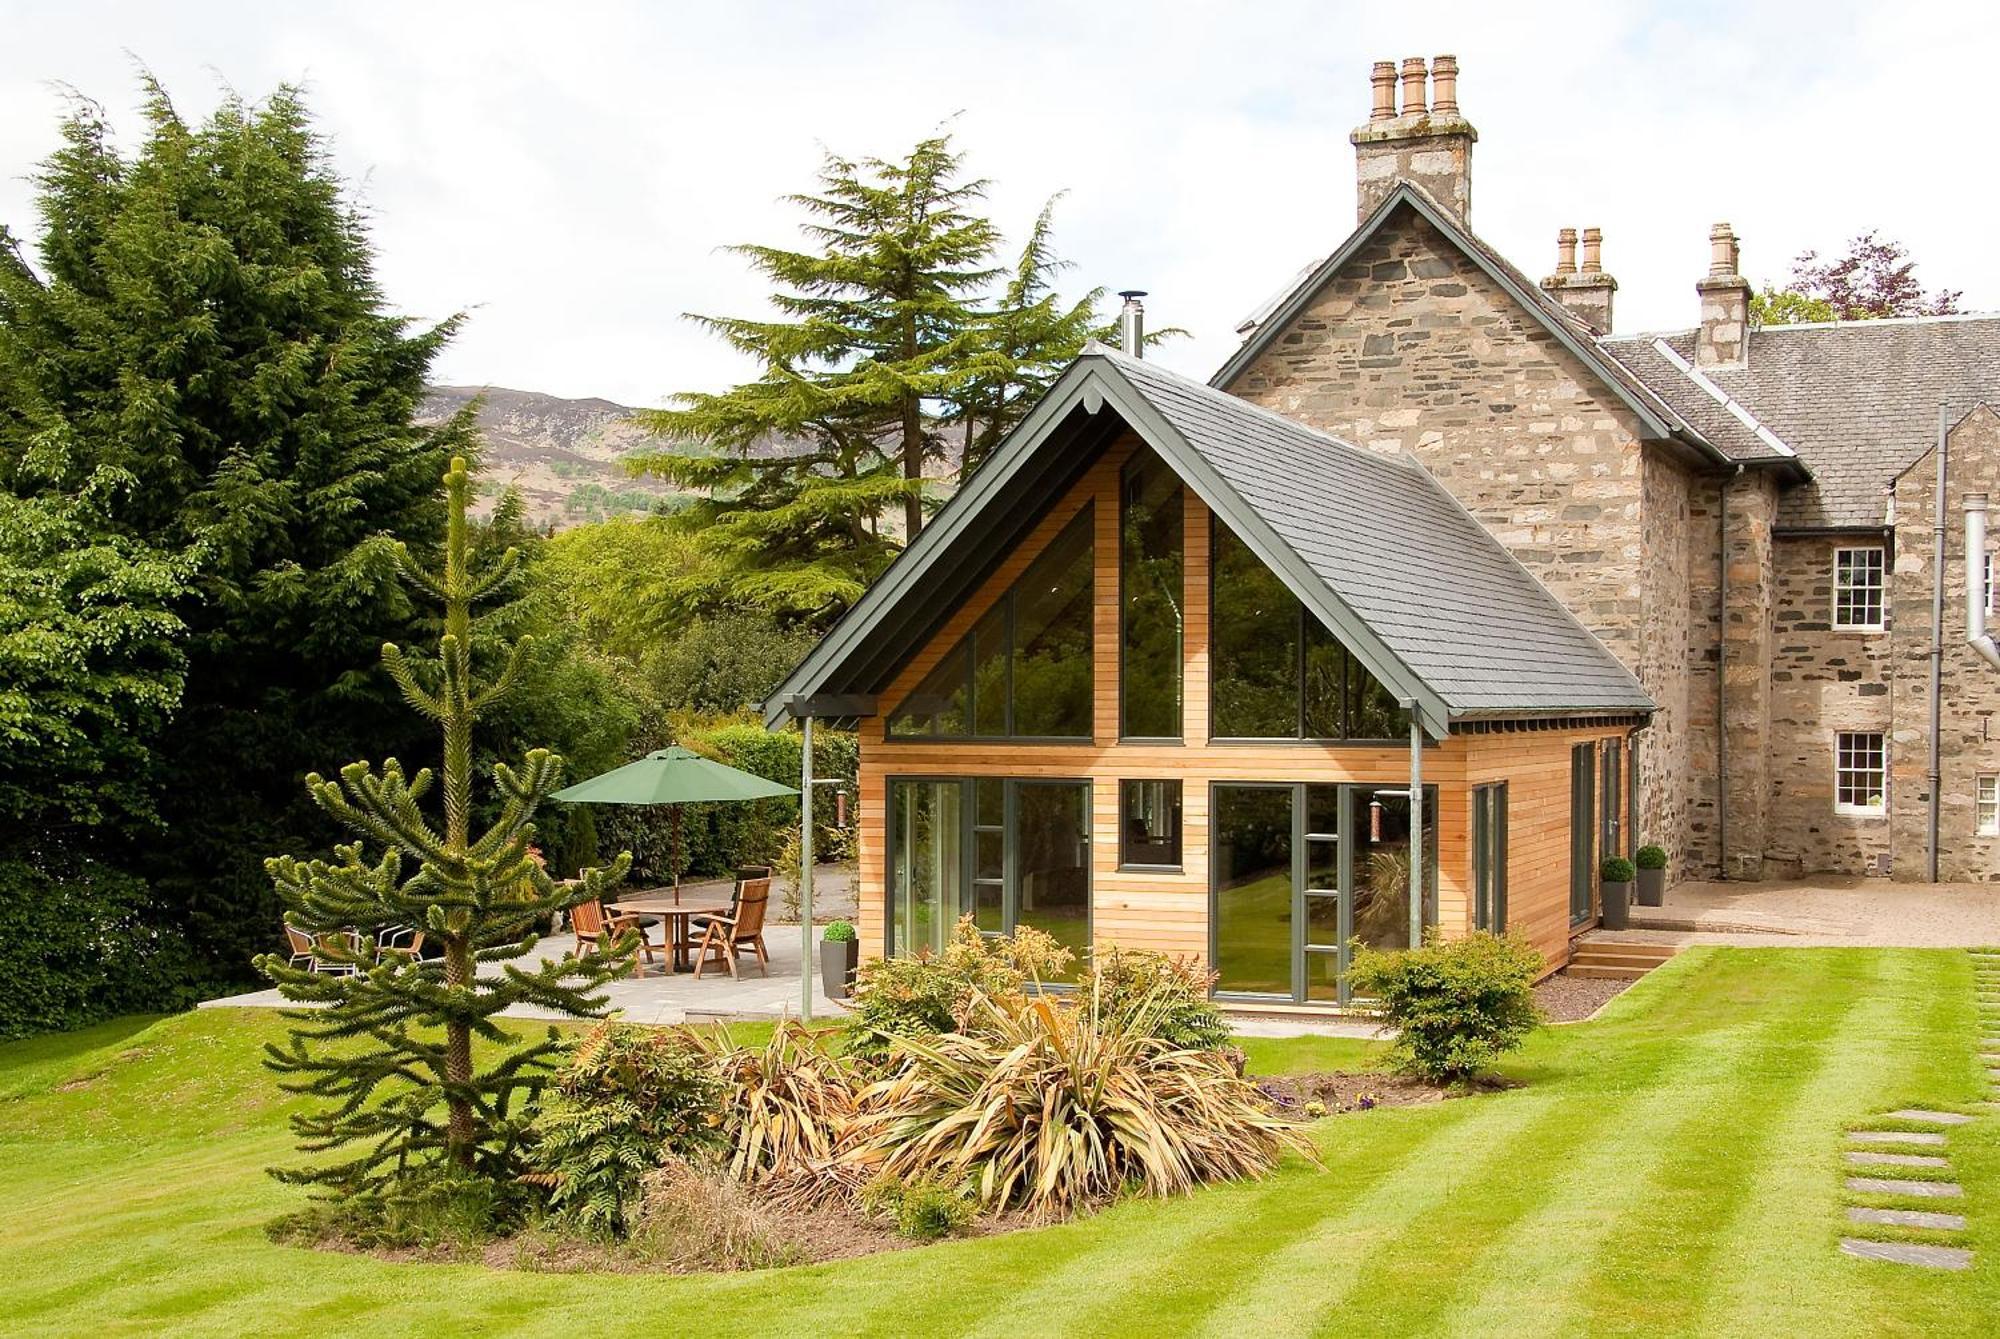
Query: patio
x=1825 y=912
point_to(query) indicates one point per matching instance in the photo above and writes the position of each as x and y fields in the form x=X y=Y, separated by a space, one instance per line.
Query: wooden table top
x=661 y=902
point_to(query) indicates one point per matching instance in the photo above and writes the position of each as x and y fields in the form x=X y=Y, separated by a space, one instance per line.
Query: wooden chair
x=588 y=920
x=723 y=938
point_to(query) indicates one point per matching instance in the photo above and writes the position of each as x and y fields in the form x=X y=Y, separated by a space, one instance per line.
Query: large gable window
x=1025 y=669
x=1857 y=589
x=1278 y=673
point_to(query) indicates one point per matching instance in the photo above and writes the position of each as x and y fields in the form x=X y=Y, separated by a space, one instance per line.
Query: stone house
x=1744 y=516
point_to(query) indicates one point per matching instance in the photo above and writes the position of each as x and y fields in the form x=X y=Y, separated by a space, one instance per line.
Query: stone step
x=1905 y=1253
x=1929 y=1117
x=1871 y=1159
x=1923 y=1190
x=1942 y=1222
x=1606 y=973
x=1926 y=1137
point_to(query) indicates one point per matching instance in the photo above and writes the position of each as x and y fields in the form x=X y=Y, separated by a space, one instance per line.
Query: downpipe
x=1976 y=634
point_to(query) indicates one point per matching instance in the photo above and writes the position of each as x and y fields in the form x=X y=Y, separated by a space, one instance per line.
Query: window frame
x=1986 y=804
x=1179 y=804
x=1845 y=745
x=1843 y=556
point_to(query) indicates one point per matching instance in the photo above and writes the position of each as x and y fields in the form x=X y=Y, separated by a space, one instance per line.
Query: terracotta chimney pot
x=1721 y=251
x=1414 y=76
x=1566 y=251
x=1444 y=85
x=1593 y=251
x=1382 y=83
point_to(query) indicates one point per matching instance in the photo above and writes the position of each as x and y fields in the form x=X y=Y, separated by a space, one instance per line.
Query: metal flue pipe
x=1975 y=579
x=1132 y=324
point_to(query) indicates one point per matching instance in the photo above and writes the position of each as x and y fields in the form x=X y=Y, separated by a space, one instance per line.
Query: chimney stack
x=1585 y=293
x=1426 y=141
x=1723 y=339
x=1132 y=323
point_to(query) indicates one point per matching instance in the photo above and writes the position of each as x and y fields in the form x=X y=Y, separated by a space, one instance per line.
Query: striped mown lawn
x=1673 y=1168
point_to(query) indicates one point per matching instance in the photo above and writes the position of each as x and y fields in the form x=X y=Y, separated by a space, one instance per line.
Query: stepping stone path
x=1923 y=1254
x=1905 y=1253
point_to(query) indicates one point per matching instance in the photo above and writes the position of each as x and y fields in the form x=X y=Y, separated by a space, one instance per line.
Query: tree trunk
x=913 y=466
x=459 y=1132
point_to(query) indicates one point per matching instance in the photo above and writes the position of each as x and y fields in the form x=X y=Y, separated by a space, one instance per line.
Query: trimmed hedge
x=76 y=948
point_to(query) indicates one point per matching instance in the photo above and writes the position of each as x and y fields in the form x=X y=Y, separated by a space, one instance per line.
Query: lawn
x=1672 y=1168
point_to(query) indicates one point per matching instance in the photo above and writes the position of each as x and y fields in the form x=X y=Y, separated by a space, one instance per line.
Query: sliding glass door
x=1302 y=872
x=1006 y=852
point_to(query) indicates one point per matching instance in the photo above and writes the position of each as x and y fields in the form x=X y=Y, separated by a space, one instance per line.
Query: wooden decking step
x=1923 y=1190
x=1594 y=973
x=1930 y=1117
x=1871 y=1159
x=1927 y=1137
x=1941 y=1222
x=1908 y=1253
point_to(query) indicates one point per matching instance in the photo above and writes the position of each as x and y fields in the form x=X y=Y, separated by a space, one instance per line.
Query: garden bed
x=1340 y=1091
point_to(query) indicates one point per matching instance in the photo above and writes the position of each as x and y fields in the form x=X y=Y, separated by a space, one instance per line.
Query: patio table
x=676 y=912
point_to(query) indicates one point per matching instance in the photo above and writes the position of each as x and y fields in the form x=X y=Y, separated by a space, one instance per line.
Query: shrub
x=1457 y=1004
x=700 y=1218
x=1051 y=1106
x=787 y=1109
x=840 y=932
x=1165 y=997
x=624 y=1100
x=924 y=1209
x=1651 y=857
x=929 y=994
x=1616 y=869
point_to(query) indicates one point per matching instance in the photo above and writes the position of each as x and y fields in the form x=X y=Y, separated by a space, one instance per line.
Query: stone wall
x=1411 y=348
x=1748 y=646
x=1824 y=681
x=1969 y=734
x=1670 y=551
x=1701 y=857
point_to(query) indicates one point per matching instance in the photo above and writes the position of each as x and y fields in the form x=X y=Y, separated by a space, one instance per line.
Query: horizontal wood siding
x=1167 y=910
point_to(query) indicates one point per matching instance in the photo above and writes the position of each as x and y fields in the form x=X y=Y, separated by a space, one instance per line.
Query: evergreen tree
x=416 y=1104
x=202 y=318
x=878 y=330
x=1024 y=343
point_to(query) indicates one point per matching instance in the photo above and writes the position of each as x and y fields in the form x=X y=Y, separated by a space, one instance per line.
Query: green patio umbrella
x=672 y=776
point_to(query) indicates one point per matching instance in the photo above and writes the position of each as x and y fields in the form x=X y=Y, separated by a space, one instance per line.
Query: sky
x=568 y=174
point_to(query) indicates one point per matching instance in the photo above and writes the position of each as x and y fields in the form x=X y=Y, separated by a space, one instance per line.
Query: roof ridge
x=1946 y=318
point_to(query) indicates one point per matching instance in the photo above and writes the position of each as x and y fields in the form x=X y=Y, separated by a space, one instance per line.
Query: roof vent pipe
x=1132 y=324
x=1976 y=596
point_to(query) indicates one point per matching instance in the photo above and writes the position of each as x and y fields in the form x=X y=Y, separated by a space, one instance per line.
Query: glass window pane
x=1381 y=839
x=1327 y=668
x=1253 y=889
x=927 y=893
x=989 y=673
x=1150 y=579
x=1323 y=920
x=1052 y=638
x=1322 y=976
x=1149 y=823
x=937 y=705
x=1372 y=712
x=1255 y=628
x=1052 y=835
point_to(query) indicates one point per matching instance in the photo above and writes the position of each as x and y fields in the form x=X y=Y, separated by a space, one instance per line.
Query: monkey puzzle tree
x=393 y=1045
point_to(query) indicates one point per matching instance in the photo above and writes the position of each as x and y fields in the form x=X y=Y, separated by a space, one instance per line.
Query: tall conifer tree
x=202 y=317
x=876 y=334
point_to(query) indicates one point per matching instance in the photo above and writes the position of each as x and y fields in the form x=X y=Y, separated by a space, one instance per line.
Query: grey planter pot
x=837 y=962
x=1652 y=887
x=1617 y=898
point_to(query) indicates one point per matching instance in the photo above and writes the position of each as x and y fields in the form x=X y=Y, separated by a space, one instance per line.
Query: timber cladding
x=1168 y=910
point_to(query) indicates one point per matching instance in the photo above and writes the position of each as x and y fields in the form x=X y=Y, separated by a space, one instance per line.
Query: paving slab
x=1942 y=1222
x=1871 y=1159
x=1923 y=1190
x=1903 y=1253
x=1933 y=1117
x=1895 y=1137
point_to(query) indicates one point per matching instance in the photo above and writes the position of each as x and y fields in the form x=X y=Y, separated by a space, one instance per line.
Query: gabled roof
x=1857 y=400
x=1419 y=591
x=1658 y=417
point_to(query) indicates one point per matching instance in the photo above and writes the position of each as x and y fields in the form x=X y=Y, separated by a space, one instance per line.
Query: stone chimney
x=1425 y=142
x=1585 y=291
x=1724 y=337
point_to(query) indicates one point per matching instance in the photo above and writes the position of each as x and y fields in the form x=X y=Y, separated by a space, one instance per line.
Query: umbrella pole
x=678 y=854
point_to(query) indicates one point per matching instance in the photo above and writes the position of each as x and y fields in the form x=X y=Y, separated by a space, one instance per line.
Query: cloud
x=568 y=173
